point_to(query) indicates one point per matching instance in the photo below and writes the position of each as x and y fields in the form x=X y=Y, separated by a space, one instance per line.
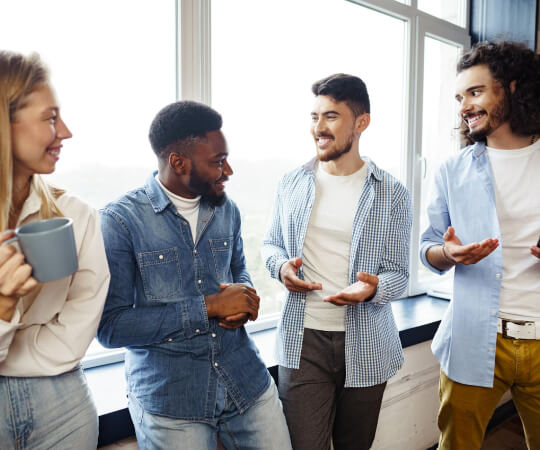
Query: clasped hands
x=362 y=290
x=233 y=305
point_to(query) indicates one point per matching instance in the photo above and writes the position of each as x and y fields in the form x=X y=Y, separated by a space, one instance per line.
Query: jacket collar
x=158 y=199
x=161 y=201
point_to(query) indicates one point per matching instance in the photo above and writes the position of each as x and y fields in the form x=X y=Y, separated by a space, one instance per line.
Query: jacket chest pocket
x=221 y=252
x=160 y=273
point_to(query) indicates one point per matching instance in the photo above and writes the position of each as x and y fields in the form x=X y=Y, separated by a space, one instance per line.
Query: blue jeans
x=47 y=413
x=262 y=426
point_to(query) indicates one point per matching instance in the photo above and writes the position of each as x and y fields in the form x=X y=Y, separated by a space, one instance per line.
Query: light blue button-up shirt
x=464 y=197
x=379 y=245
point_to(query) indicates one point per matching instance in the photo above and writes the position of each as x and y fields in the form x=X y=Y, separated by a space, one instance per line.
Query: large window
x=261 y=83
x=110 y=79
x=116 y=63
x=440 y=137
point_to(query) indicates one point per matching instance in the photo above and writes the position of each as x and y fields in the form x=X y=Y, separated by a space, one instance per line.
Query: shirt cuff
x=193 y=316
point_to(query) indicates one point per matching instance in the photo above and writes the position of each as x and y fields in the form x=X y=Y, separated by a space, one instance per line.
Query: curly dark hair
x=180 y=124
x=344 y=88
x=510 y=61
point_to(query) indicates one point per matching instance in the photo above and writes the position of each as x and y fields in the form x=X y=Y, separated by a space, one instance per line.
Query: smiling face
x=334 y=128
x=210 y=168
x=483 y=106
x=37 y=132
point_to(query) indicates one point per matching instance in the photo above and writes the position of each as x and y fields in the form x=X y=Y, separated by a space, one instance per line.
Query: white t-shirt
x=516 y=176
x=187 y=207
x=326 y=250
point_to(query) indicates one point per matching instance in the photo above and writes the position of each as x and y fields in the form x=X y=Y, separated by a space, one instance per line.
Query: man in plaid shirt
x=339 y=242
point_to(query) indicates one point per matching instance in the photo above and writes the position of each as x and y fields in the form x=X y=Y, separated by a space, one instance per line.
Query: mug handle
x=9 y=241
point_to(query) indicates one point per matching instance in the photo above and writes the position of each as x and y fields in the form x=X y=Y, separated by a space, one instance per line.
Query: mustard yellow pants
x=466 y=410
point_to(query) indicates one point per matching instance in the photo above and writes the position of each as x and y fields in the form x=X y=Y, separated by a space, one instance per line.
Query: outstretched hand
x=291 y=281
x=458 y=253
x=363 y=289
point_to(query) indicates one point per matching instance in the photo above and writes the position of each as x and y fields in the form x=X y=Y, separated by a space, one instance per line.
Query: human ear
x=513 y=86
x=362 y=122
x=179 y=163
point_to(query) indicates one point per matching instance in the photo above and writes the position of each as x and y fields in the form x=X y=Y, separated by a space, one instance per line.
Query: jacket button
x=160 y=256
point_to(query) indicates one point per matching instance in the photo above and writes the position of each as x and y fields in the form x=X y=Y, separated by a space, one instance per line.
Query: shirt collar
x=372 y=169
x=478 y=149
x=31 y=206
x=160 y=200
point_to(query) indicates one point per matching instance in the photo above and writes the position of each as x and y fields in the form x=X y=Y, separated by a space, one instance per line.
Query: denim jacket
x=155 y=305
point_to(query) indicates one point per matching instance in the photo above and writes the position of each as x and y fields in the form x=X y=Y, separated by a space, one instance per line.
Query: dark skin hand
x=288 y=276
x=362 y=290
x=234 y=305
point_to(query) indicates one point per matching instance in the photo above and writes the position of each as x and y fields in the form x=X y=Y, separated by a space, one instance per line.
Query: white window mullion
x=194 y=50
x=416 y=162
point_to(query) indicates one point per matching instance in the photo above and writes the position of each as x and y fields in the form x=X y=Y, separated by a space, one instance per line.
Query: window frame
x=193 y=82
x=196 y=71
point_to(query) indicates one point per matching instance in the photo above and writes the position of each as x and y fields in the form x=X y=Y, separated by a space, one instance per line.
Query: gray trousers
x=318 y=407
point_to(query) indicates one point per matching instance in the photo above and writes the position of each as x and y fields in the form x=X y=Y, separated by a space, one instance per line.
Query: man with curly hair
x=484 y=221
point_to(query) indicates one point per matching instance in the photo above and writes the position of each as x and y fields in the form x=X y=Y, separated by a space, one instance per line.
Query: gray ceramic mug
x=49 y=247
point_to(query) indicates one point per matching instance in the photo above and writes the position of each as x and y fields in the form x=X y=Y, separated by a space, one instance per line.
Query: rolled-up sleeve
x=438 y=219
x=394 y=269
x=273 y=250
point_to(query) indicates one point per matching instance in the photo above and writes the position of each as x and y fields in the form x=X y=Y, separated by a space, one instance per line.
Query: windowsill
x=417 y=319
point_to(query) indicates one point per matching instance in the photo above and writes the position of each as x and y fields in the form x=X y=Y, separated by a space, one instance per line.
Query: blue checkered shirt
x=379 y=245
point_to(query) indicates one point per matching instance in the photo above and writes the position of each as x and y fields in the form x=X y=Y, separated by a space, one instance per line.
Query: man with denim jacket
x=180 y=295
x=339 y=242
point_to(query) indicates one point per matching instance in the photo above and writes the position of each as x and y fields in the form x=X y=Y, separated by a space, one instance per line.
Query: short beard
x=325 y=157
x=204 y=189
x=215 y=200
x=499 y=115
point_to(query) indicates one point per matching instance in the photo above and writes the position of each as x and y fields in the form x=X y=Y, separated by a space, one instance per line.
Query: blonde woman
x=45 y=329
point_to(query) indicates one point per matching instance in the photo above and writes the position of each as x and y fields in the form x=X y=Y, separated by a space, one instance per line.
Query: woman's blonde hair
x=19 y=76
